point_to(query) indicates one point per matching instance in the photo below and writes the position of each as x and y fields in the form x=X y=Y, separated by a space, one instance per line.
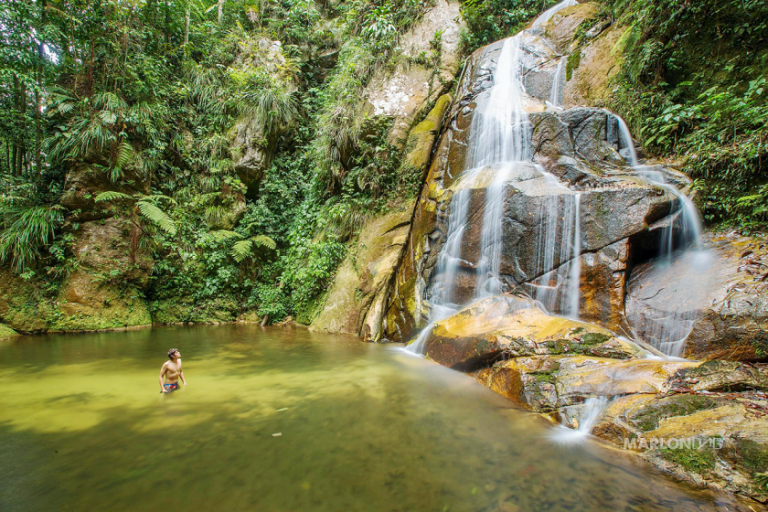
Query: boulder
x=513 y=326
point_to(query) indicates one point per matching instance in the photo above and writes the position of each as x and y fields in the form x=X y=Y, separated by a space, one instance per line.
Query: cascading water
x=547 y=15
x=554 y=96
x=679 y=241
x=589 y=414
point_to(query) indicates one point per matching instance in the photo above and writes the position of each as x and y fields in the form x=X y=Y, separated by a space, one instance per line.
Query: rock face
x=432 y=64
x=104 y=292
x=355 y=301
x=252 y=148
x=723 y=310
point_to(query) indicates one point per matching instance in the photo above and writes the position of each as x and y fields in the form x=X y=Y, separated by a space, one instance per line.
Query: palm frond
x=125 y=153
x=26 y=229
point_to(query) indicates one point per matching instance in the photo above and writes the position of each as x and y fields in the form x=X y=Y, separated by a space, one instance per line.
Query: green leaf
x=157 y=217
x=111 y=196
x=241 y=250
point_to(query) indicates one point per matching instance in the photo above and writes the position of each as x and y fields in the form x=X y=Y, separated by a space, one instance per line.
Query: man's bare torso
x=172 y=371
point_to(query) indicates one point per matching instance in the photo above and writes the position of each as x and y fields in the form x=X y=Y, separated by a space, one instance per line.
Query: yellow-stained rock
x=513 y=325
x=582 y=377
x=590 y=70
x=354 y=304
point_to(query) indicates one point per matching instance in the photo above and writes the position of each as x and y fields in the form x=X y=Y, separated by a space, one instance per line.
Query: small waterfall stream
x=554 y=96
x=680 y=241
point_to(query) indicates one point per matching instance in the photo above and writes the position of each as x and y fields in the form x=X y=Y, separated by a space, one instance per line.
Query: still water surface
x=363 y=427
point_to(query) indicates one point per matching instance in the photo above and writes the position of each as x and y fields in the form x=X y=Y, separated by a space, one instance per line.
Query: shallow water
x=364 y=427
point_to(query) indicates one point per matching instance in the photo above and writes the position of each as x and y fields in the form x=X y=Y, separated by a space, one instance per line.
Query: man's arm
x=162 y=374
x=181 y=373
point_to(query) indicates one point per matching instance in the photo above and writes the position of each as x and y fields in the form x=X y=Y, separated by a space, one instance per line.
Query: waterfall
x=680 y=239
x=554 y=96
x=574 y=279
x=589 y=414
x=546 y=15
x=626 y=140
x=500 y=144
x=500 y=129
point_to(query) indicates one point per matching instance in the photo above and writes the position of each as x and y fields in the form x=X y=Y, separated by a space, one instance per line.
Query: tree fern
x=241 y=250
x=224 y=234
x=264 y=241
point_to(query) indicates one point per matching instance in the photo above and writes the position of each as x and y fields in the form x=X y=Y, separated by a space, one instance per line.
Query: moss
x=595 y=338
x=701 y=460
x=683 y=405
x=753 y=455
x=573 y=62
x=7 y=332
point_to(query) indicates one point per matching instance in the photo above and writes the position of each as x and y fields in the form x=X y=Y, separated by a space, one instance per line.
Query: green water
x=364 y=427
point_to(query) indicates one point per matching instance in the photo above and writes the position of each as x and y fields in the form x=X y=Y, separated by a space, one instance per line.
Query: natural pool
x=364 y=427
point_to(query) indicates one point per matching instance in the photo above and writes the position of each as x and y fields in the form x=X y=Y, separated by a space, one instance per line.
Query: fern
x=125 y=153
x=241 y=250
x=111 y=196
x=157 y=217
x=265 y=241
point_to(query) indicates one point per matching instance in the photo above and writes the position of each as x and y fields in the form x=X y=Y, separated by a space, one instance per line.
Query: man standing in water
x=171 y=370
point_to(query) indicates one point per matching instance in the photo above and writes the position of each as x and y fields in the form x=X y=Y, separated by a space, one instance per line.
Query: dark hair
x=171 y=352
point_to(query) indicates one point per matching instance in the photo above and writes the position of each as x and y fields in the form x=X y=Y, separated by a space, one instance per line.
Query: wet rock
x=723 y=313
x=512 y=326
x=529 y=381
x=584 y=377
x=723 y=376
x=715 y=441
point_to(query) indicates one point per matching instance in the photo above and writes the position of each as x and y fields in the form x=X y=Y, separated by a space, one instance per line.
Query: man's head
x=173 y=354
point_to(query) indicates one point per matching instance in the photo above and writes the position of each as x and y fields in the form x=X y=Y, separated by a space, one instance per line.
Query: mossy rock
x=6 y=332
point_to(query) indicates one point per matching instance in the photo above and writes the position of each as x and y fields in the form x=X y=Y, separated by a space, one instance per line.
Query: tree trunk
x=221 y=10
x=186 y=25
